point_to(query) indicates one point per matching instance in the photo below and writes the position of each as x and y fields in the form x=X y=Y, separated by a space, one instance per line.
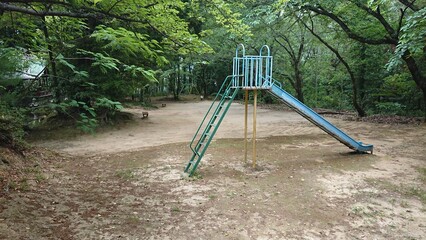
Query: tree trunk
x=417 y=76
x=55 y=83
x=299 y=85
x=424 y=104
x=204 y=81
x=361 y=74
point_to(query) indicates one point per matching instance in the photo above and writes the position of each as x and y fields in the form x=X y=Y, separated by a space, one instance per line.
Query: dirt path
x=126 y=184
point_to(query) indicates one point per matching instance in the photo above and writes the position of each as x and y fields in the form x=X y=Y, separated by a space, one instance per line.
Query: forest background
x=94 y=56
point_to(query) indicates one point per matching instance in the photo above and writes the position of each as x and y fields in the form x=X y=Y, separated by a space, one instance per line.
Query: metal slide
x=316 y=119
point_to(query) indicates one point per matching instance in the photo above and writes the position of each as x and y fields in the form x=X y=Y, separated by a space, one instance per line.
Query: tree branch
x=301 y=46
x=410 y=5
x=347 y=30
x=289 y=50
x=378 y=16
x=92 y=13
x=357 y=106
x=401 y=18
x=14 y=8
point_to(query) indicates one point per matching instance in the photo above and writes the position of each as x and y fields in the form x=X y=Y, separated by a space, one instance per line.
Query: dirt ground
x=126 y=183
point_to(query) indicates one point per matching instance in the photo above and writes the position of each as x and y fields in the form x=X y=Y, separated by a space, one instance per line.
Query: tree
x=99 y=50
x=11 y=117
x=292 y=38
x=354 y=80
x=377 y=23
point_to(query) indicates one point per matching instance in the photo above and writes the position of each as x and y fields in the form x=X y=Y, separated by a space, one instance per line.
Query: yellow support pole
x=254 y=127
x=246 y=96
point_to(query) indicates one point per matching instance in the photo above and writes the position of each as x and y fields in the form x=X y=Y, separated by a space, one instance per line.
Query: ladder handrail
x=226 y=106
x=208 y=111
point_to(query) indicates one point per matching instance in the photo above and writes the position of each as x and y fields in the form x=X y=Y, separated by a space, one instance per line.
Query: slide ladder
x=217 y=111
x=316 y=119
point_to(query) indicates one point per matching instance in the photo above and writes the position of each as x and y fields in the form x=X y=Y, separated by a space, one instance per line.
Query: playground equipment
x=254 y=72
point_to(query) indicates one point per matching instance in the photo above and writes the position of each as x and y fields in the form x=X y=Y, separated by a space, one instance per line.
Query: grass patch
x=196 y=176
x=403 y=189
x=417 y=192
x=126 y=174
x=22 y=185
x=404 y=204
x=175 y=209
x=365 y=211
x=133 y=220
x=39 y=177
x=212 y=197
x=422 y=172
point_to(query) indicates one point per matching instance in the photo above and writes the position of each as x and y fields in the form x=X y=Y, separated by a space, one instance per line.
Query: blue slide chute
x=316 y=119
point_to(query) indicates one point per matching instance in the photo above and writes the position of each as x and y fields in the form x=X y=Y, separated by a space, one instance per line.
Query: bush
x=87 y=115
x=106 y=109
x=12 y=127
x=391 y=108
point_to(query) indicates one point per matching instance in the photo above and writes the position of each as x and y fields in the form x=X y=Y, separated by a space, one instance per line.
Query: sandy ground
x=126 y=183
x=178 y=122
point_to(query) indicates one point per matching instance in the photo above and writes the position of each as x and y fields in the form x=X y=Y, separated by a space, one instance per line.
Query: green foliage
x=28 y=34
x=390 y=108
x=397 y=94
x=140 y=72
x=412 y=38
x=86 y=123
x=108 y=104
x=88 y=115
x=11 y=63
x=125 y=174
x=106 y=109
x=78 y=74
x=413 y=33
x=104 y=62
x=81 y=112
x=227 y=15
x=139 y=47
x=12 y=118
x=12 y=127
x=129 y=43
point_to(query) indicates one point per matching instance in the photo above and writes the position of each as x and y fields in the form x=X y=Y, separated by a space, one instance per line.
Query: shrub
x=12 y=127
x=391 y=108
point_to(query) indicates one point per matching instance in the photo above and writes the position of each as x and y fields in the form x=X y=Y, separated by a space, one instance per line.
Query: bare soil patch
x=126 y=183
